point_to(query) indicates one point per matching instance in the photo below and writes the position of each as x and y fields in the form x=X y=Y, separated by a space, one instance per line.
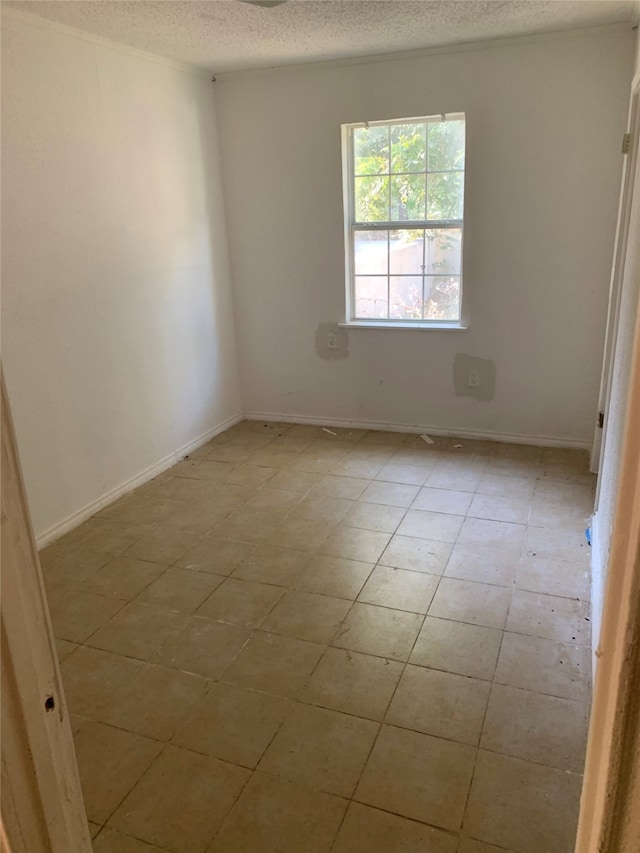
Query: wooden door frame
x=610 y=804
x=41 y=807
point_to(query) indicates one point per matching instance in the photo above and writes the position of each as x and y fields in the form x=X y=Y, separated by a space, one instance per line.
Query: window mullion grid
x=352 y=264
x=388 y=231
x=408 y=225
x=424 y=265
x=352 y=215
x=399 y=225
x=388 y=274
x=426 y=208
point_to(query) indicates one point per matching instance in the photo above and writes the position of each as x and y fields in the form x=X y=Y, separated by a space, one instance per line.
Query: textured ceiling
x=227 y=35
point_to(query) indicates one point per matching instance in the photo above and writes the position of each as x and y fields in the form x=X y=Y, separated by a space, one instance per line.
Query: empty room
x=320 y=462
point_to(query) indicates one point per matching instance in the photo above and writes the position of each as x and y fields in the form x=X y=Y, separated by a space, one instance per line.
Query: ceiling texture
x=229 y=35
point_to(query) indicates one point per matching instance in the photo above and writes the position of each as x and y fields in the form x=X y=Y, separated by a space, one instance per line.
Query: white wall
x=610 y=462
x=118 y=339
x=544 y=123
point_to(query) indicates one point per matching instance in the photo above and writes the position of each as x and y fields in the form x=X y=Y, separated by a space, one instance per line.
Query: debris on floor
x=269 y=609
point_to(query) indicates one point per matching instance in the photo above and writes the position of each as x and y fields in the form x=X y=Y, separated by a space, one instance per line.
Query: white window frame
x=351 y=226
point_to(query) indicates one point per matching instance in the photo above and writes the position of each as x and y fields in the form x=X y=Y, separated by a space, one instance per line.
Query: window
x=404 y=199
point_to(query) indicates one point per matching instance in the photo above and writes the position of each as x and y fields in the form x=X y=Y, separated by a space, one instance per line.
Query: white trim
x=610 y=800
x=347 y=207
x=600 y=544
x=354 y=226
x=507 y=437
x=76 y=518
x=371 y=324
x=409 y=120
x=46 y=24
x=72 y=521
x=617 y=274
x=569 y=34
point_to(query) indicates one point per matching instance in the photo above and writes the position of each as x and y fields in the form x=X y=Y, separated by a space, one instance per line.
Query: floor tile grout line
x=174 y=565
x=285 y=588
x=357 y=783
x=452 y=833
x=377 y=563
x=326 y=647
x=259 y=628
x=390 y=701
x=407 y=663
x=165 y=746
x=494 y=682
x=314 y=554
x=484 y=716
x=493 y=456
x=295 y=701
x=477 y=748
x=301 y=691
x=231 y=807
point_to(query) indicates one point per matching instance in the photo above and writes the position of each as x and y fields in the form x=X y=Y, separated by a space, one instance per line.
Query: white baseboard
x=76 y=518
x=55 y=531
x=512 y=438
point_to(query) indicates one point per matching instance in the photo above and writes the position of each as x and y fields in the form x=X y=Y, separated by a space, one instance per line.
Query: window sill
x=439 y=327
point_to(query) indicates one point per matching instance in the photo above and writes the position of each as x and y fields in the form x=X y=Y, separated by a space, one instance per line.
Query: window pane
x=445 y=195
x=371 y=297
x=442 y=297
x=405 y=176
x=371 y=252
x=446 y=146
x=407 y=197
x=443 y=251
x=371 y=150
x=405 y=297
x=372 y=199
x=408 y=147
x=406 y=252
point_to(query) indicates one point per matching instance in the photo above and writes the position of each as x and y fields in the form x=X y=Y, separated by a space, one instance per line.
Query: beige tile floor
x=299 y=642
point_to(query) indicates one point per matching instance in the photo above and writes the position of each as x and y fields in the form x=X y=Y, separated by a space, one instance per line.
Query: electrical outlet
x=473 y=379
x=332 y=340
